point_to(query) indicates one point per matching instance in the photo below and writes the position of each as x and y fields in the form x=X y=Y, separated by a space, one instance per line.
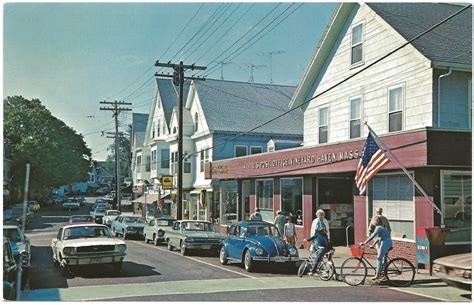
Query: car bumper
x=276 y=259
x=92 y=259
x=454 y=280
x=134 y=232
x=201 y=246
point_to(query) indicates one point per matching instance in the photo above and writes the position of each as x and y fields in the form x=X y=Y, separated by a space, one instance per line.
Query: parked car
x=87 y=244
x=249 y=242
x=20 y=245
x=156 y=229
x=98 y=214
x=128 y=225
x=81 y=218
x=188 y=235
x=455 y=270
x=17 y=215
x=9 y=272
x=71 y=204
x=458 y=207
x=109 y=216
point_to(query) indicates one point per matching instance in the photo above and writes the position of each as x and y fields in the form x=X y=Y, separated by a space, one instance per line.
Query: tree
x=124 y=157
x=56 y=153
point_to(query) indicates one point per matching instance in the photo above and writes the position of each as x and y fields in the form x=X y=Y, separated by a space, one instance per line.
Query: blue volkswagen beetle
x=249 y=242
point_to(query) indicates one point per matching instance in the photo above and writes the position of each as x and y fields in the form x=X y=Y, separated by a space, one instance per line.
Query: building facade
x=418 y=100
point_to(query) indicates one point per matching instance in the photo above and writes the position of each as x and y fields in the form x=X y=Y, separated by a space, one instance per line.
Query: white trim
x=235 y=150
x=402 y=107
x=302 y=193
x=261 y=149
x=362 y=43
x=352 y=98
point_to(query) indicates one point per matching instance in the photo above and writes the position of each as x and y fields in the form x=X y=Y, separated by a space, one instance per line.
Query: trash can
x=430 y=245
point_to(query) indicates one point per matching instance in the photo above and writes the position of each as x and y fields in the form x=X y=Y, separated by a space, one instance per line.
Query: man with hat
x=280 y=221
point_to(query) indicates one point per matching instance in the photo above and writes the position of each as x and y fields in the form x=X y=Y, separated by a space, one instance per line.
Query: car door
x=237 y=241
x=55 y=243
x=116 y=224
x=174 y=234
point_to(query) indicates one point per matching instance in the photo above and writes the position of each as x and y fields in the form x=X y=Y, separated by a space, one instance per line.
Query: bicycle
x=326 y=268
x=397 y=271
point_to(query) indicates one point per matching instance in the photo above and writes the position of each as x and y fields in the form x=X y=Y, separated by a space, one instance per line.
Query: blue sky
x=73 y=55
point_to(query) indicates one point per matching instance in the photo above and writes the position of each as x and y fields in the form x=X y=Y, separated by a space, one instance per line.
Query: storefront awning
x=147 y=198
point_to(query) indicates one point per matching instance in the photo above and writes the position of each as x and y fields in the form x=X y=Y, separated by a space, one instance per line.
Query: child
x=290 y=232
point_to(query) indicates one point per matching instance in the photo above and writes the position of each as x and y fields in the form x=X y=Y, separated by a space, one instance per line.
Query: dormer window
x=356 y=44
x=158 y=131
x=196 y=122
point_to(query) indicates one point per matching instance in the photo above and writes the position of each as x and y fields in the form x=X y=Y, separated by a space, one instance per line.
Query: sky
x=71 y=56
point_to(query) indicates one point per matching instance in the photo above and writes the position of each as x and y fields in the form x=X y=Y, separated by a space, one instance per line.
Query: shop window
x=264 y=191
x=228 y=205
x=323 y=124
x=356 y=44
x=255 y=150
x=165 y=158
x=395 y=113
x=355 y=119
x=394 y=194
x=335 y=197
x=291 y=199
x=240 y=150
x=457 y=199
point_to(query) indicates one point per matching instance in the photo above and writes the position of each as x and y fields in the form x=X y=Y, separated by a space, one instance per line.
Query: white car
x=71 y=204
x=87 y=244
x=109 y=216
x=98 y=214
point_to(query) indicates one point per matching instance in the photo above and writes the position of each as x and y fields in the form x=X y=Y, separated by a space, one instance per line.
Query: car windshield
x=12 y=234
x=196 y=226
x=81 y=218
x=100 y=210
x=113 y=213
x=103 y=205
x=164 y=222
x=134 y=219
x=262 y=229
x=85 y=232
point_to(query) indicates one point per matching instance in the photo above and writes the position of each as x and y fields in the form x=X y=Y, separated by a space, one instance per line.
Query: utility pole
x=116 y=110
x=178 y=80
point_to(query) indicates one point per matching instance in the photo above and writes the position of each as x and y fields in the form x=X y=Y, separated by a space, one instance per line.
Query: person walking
x=318 y=222
x=385 y=244
x=256 y=215
x=279 y=222
x=290 y=232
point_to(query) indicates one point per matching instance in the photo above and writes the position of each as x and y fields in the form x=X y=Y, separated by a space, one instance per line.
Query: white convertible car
x=87 y=244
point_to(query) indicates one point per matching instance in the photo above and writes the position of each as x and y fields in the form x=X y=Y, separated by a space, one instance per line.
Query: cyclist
x=321 y=244
x=385 y=244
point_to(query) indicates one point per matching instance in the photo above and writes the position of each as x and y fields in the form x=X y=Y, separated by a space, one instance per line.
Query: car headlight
x=121 y=248
x=259 y=251
x=293 y=251
x=69 y=251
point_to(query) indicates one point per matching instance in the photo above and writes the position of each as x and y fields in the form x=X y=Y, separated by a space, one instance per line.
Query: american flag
x=373 y=160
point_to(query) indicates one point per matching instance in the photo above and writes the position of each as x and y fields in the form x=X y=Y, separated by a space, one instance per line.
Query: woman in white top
x=319 y=217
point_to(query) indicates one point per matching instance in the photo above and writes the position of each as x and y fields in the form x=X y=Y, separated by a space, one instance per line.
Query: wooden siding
x=406 y=67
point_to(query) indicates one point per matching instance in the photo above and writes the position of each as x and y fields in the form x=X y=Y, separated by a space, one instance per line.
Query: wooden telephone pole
x=178 y=80
x=116 y=110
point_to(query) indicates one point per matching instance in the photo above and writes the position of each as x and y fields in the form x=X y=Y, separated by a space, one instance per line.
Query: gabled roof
x=169 y=94
x=139 y=121
x=232 y=106
x=449 y=43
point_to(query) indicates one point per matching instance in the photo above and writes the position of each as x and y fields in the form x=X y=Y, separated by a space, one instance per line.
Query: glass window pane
x=240 y=151
x=323 y=116
x=356 y=54
x=395 y=121
x=457 y=199
x=265 y=199
x=355 y=109
x=291 y=199
x=355 y=129
x=357 y=34
x=187 y=167
x=395 y=99
x=228 y=204
x=323 y=134
x=255 y=150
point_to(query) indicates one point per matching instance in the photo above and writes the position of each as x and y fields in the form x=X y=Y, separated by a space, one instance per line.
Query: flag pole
x=393 y=158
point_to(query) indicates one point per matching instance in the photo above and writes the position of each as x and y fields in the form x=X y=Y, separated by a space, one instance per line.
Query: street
x=153 y=273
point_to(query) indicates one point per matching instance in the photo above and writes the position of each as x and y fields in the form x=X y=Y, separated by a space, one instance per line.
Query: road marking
x=202 y=286
x=197 y=260
x=419 y=294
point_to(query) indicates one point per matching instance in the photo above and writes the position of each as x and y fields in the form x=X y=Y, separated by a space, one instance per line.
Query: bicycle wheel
x=326 y=270
x=400 y=272
x=303 y=268
x=353 y=271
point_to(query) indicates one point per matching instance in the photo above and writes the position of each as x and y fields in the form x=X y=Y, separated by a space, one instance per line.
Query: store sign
x=167 y=182
x=326 y=158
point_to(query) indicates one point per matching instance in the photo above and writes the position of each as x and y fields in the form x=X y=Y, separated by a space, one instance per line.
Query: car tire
x=117 y=267
x=249 y=264
x=155 y=240
x=183 y=249
x=222 y=256
x=170 y=246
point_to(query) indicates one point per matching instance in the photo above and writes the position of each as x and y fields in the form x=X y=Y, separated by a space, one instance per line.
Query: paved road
x=155 y=273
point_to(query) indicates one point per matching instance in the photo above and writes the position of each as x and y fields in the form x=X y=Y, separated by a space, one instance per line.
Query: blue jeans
x=319 y=256
x=385 y=245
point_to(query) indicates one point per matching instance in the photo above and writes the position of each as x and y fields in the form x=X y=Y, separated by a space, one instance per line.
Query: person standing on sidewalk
x=290 y=232
x=318 y=222
x=256 y=215
x=385 y=244
x=280 y=222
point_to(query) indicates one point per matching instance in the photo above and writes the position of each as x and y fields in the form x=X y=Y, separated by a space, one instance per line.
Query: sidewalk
x=342 y=253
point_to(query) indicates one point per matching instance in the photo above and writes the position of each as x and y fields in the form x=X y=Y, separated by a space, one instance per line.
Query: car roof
x=113 y=210
x=195 y=221
x=253 y=222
